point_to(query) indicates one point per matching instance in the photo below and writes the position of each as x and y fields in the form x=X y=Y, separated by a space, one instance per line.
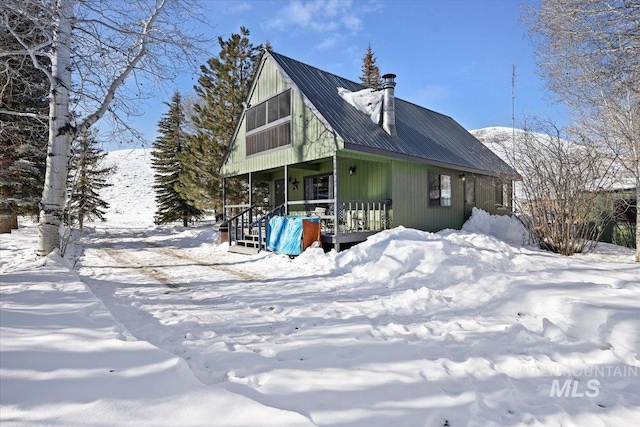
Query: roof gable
x=423 y=135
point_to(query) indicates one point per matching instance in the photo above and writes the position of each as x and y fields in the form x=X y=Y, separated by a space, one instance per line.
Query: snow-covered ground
x=161 y=326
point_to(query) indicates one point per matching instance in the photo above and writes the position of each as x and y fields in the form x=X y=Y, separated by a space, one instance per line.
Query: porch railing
x=364 y=215
x=262 y=222
x=241 y=217
x=242 y=222
x=353 y=216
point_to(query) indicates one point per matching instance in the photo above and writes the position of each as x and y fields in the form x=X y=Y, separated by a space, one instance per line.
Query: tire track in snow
x=237 y=335
x=177 y=338
x=155 y=272
x=173 y=253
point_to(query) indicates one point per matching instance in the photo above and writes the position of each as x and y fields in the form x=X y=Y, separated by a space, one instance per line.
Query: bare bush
x=561 y=197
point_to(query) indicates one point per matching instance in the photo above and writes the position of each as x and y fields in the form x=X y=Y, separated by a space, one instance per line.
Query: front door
x=469 y=197
x=279 y=192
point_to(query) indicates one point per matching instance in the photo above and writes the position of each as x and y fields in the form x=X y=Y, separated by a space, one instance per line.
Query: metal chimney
x=389 y=104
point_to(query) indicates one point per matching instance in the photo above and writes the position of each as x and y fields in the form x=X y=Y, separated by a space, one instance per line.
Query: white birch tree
x=104 y=56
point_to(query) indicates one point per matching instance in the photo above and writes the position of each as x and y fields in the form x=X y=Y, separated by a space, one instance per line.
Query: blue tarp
x=284 y=234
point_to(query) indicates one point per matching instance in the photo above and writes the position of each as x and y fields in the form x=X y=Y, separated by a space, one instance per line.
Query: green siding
x=371 y=180
x=485 y=196
x=311 y=140
x=410 y=193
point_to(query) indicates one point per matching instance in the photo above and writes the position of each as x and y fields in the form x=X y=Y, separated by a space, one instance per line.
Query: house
x=616 y=207
x=360 y=172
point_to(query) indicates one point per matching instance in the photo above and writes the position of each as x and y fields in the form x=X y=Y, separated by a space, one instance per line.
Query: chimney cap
x=390 y=76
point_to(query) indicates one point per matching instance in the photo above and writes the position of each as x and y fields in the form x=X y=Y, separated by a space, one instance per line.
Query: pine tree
x=86 y=178
x=370 y=73
x=23 y=138
x=168 y=161
x=222 y=87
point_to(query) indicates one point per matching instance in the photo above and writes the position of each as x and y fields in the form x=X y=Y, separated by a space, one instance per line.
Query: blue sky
x=451 y=56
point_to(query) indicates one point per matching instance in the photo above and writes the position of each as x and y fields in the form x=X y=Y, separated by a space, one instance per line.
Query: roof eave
x=511 y=175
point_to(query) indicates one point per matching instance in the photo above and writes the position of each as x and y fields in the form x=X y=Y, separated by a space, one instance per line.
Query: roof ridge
x=315 y=68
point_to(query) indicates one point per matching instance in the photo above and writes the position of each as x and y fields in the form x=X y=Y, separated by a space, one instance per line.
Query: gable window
x=439 y=189
x=318 y=187
x=268 y=124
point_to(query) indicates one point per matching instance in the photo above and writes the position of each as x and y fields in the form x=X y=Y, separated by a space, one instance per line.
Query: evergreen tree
x=23 y=138
x=370 y=73
x=222 y=87
x=167 y=160
x=86 y=178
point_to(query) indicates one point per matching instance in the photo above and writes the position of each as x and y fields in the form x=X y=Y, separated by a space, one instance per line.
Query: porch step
x=243 y=250
x=252 y=243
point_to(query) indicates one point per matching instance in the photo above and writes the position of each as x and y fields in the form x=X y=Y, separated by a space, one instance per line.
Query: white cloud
x=319 y=16
x=334 y=20
x=352 y=23
x=240 y=7
x=328 y=43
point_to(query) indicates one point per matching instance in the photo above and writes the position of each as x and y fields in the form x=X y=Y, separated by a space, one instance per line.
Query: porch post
x=224 y=198
x=286 y=189
x=336 y=215
x=250 y=197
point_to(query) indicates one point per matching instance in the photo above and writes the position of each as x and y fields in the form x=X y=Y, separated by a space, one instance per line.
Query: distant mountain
x=494 y=134
x=498 y=139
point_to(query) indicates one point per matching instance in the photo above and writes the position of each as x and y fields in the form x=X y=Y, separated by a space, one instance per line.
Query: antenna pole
x=513 y=104
x=513 y=134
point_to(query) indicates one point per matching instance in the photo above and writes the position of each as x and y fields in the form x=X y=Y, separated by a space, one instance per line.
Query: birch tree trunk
x=60 y=132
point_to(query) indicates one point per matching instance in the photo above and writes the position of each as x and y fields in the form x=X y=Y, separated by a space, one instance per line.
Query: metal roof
x=423 y=135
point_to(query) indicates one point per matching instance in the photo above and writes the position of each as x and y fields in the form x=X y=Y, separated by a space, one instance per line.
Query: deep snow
x=162 y=326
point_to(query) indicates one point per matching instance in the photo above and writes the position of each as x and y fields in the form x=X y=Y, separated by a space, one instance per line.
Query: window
x=273 y=137
x=498 y=192
x=318 y=187
x=268 y=124
x=439 y=189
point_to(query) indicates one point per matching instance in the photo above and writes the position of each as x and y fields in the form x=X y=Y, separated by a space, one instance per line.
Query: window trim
x=268 y=124
x=311 y=177
x=437 y=203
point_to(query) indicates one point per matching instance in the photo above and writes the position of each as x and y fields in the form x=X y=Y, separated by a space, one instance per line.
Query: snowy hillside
x=494 y=134
x=131 y=196
x=499 y=140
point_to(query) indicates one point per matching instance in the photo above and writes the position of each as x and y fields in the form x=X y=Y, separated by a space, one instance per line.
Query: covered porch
x=337 y=190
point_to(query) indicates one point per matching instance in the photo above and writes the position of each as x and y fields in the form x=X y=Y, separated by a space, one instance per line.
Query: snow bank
x=368 y=101
x=503 y=227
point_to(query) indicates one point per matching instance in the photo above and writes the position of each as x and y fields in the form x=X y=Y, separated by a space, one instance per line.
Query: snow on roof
x=367 y=100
